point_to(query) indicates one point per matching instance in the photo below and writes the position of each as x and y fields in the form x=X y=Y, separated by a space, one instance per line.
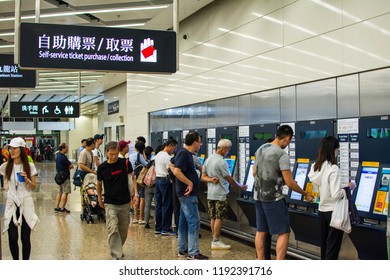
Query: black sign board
x=44 y=110
x=97 y=48
x=113 y=107
x=11 y=76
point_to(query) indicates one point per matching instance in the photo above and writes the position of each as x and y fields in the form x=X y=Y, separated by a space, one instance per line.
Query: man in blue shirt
x=187 y=183
x=63 y=164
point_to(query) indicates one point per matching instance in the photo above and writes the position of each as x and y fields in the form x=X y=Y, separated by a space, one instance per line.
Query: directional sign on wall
x=44 y=110
x=97 y=48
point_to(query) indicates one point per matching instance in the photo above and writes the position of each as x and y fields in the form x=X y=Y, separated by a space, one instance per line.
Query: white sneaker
x=219 y=245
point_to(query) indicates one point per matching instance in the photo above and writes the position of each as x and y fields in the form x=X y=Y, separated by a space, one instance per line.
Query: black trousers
x=331 y=238
x=13 y=238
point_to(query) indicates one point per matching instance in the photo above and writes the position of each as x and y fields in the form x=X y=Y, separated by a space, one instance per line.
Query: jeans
x=149 y=193
x=189 y=224
x=163 y=204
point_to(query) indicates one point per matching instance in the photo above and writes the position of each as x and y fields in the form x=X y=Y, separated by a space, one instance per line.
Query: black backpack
x=138 y=166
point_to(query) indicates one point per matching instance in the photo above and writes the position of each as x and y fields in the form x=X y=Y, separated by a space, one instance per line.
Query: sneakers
x=141 y=222
x=182 y=254
x=157 y=232
x=57 y=209
x=135 y=221
x=197 y=257
x=219 y=245
x=64 y=210
x=168 y=233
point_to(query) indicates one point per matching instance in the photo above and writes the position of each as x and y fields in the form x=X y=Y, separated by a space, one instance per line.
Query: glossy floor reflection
x=66 y=237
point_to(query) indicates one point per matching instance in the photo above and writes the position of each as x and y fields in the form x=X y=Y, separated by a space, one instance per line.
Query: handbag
x=61 y=177
x=340 y=216
x=141 y=176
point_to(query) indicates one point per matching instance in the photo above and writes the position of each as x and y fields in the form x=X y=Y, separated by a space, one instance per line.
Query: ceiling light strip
x=94 y=11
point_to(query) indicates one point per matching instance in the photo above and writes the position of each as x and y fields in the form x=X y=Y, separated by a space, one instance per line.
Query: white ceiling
x=63 y=86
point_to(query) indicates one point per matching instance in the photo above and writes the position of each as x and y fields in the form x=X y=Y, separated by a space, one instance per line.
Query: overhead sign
x=44 y=110
x=113 y=107
x=11 y=76
x=96 y=48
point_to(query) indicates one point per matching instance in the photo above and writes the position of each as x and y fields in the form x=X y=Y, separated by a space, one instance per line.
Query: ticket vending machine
x=177 y=135
x=303 y=214
x=156 y=139
x=203 y=148
x=309 y=134
x=371 y=199
x=246 y=201
x=374 y=139
x=260 y=134
x=230 y=133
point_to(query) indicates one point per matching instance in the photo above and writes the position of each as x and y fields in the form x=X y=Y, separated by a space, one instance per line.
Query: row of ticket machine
x=371 y=197
x=364 y=146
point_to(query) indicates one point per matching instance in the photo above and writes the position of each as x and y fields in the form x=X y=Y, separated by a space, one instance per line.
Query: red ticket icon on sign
x=148 y=51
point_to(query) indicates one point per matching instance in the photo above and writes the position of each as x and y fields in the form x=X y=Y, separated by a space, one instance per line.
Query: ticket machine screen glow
x=250 y=180
x=300 y=177
x=230 y=162
x=366 y=188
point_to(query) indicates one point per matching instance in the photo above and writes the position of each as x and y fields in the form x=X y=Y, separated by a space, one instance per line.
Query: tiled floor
x=66 y=237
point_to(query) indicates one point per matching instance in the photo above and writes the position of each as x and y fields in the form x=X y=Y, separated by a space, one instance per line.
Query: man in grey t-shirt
x=216 y=173
x=271 y=171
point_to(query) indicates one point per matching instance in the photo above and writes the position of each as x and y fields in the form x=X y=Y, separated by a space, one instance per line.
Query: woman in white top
x=325 y=175
x=19 y=176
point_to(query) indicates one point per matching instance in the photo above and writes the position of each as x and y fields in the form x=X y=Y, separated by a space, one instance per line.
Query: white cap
x=17 y=142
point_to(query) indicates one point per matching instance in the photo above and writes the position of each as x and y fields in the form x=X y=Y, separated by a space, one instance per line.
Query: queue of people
x=177 y=178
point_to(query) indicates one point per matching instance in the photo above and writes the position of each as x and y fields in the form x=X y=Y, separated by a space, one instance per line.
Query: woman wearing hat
x=19 y=176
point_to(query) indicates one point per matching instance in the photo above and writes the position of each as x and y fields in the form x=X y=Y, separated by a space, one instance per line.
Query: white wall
x=114 y=120
x=84 y=129
x=237 y=47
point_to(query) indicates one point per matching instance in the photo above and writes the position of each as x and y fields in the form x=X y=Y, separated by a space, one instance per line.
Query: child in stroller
x=90 y=200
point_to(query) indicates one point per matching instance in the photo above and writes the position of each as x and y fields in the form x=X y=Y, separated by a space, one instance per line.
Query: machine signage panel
x=97 y=48
x=11 y=76
x=44 y=110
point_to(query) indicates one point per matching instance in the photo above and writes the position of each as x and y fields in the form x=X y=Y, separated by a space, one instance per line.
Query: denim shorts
x=272 y=217
x=141 y=191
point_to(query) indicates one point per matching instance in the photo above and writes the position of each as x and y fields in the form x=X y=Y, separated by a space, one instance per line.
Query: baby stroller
x=90 y=200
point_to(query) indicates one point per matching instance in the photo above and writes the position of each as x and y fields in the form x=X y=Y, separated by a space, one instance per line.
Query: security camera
x=185 y=36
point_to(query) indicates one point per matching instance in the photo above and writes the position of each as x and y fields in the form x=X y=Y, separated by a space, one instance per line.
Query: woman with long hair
x=325 y=175
x=19 y=176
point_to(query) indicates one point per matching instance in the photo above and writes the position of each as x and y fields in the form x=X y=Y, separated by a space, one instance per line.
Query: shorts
x=131 y=186
x=141 y=191
x=217 y=209
x=272 y=217
x=65 y=187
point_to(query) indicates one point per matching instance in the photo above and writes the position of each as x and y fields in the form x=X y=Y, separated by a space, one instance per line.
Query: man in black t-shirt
x=113 y=172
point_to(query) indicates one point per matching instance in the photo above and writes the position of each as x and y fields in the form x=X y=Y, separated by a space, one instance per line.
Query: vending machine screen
x=300 y=177
x=365 y=189
x=249 y=179
x=231 y=162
